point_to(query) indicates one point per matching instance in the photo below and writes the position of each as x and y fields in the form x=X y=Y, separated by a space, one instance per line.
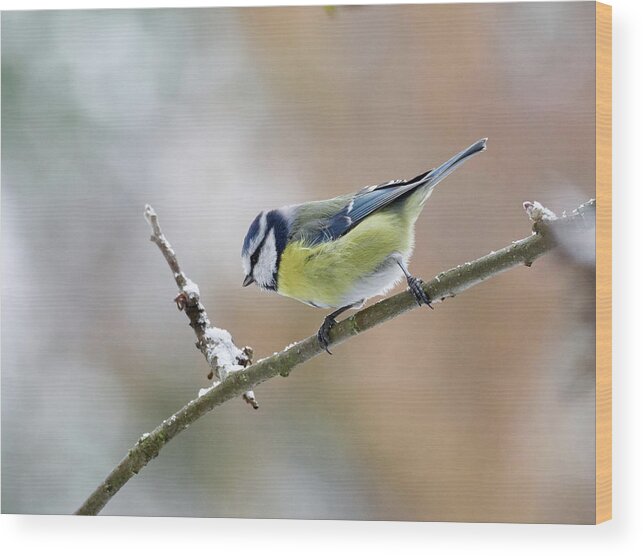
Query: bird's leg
x=415 y=285
x=329 y=322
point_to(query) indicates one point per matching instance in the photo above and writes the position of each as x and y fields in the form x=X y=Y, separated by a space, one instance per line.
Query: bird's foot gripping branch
x=236 y=375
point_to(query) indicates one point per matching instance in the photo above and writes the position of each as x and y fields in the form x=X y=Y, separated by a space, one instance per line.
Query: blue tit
x=340 y=252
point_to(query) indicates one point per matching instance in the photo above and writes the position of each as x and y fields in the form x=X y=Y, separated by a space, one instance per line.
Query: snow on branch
x=216 y=344
x=237 y=376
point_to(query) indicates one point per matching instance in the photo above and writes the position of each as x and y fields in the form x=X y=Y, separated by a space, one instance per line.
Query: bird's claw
x=421 y=297
x=323 y=334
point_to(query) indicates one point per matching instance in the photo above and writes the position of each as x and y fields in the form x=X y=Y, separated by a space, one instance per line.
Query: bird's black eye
x=254 y=258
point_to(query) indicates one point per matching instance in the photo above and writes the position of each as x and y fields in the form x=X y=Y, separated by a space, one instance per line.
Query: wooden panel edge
x=603 y=262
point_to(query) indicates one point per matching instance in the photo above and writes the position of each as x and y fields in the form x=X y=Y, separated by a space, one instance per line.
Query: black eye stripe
x=255 y=256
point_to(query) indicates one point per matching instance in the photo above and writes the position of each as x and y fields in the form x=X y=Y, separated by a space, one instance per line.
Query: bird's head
x=262 y=248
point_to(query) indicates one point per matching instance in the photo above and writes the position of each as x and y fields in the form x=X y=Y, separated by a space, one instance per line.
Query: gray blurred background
x=480 y=410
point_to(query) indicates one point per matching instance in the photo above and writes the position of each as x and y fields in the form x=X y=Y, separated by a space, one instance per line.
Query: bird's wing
x=376 y=197
x=343 y=217
x=358 y=207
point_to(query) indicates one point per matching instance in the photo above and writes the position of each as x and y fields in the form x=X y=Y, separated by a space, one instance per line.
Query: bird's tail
x=422 y=186
x=436 y=175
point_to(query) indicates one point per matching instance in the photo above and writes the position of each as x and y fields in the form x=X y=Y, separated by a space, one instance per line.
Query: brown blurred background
x=480 y=410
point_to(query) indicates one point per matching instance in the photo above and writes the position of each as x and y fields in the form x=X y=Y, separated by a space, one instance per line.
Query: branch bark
x=548 y=233
x=216 y=344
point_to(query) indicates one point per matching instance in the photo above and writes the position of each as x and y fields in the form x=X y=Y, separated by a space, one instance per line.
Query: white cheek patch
x=266 y=266
x=245 y=263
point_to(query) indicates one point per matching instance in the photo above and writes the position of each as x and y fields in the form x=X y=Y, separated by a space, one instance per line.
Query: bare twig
x=215 y=344
x=548 y=231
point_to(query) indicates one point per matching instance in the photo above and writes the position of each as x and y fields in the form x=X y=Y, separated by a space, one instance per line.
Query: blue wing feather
x=372 y=199
x=365 y=203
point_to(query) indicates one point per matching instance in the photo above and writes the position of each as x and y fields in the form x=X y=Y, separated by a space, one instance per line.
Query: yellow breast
x=325 y=275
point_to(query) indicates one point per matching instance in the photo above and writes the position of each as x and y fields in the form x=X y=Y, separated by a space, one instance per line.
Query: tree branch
x=216 y=345
x=548 y=232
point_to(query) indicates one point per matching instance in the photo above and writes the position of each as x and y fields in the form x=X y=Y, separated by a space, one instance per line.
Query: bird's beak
x=248 y=280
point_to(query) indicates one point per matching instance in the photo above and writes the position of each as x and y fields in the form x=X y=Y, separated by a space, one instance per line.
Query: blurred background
x=481 y=410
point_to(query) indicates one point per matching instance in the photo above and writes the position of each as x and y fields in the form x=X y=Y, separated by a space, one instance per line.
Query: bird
x=340 y=252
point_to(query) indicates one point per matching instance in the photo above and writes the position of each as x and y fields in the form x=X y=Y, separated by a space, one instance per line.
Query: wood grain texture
x=603 y=262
